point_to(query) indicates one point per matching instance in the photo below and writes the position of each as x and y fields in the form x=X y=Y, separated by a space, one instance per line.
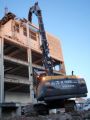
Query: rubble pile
x=81 y=115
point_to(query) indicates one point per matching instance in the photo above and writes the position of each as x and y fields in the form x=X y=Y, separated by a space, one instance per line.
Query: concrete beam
x=12 y=69
x=16 y=79
x=38 y=66
x=1 y=71
x=14 y=53
x=17 y=61
x=8 y=49
x=37 y=61
x=8 y=80
x=14 y=88
x=42 y=68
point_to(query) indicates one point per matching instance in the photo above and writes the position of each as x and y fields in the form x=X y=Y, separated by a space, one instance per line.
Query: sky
x=69 y=20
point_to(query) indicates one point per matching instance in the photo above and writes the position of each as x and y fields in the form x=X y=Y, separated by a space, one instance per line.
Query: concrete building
x=19 y=54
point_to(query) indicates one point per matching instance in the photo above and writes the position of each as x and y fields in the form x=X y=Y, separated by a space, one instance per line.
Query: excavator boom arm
x=47 y=61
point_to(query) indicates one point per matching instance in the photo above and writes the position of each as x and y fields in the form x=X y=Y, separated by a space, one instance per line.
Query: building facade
x=19 y=54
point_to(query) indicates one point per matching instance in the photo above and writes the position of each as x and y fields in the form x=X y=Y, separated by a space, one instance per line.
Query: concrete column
x=30 y=66
x=1 y=72
x=18 y=111
x=0 y=112
x=1 y=75
x=30 y=75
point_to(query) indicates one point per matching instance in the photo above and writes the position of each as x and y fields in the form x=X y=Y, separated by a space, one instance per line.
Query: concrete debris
x=81 y=115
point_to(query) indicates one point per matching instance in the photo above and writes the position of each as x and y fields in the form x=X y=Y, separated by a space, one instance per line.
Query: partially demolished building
x=19 y=54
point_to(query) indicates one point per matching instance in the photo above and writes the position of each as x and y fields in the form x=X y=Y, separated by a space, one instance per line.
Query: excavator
x=53 y=91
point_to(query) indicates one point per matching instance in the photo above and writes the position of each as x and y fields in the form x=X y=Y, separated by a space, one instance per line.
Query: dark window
x=32 y=35
x=16 y=27
x=25 y=31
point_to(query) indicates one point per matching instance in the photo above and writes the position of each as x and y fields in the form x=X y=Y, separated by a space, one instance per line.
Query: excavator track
x=35 y=110
x=29 y=110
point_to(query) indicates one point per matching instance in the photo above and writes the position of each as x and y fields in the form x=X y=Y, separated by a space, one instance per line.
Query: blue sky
x=69 y=20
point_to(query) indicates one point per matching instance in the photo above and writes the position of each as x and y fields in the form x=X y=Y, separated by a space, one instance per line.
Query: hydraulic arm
x=47 y=60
